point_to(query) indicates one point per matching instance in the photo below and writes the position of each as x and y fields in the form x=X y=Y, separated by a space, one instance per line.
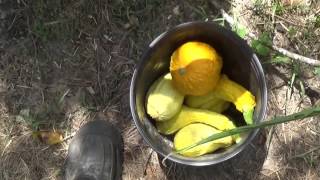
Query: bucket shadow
x=246 y=165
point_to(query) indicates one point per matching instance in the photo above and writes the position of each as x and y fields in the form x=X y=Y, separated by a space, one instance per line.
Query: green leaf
x=317 y=23
x=296 y=68
x=280 y=59
x=265 y=39
x=317 y=71
x=292 y=31
x=262 y=44
x=30 y=119
x=240 y=30
x=260 y=48
x=302 y=89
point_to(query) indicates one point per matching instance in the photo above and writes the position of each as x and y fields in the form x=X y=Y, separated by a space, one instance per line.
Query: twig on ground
x=270 y=137
x=5 y=147
x=147 y=163
x=297 y=57
x=305 y=153
x=12 y=23
x=163 y=162
x=280 y=169
x=68 y=137
x=283 y=51
x=286 y=20
x=54 y=22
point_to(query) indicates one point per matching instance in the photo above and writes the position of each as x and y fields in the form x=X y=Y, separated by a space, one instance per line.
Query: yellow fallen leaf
x=48 y=137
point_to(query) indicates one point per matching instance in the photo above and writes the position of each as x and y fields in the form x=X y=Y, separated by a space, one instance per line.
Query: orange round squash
x=195 y=68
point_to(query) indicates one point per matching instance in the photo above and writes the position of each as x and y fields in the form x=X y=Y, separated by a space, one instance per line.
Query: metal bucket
x=239 y=63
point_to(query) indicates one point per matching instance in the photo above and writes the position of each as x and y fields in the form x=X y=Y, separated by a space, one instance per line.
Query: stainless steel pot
x=239 y=63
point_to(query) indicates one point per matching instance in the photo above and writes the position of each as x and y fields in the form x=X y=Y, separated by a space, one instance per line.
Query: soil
x=65 y=62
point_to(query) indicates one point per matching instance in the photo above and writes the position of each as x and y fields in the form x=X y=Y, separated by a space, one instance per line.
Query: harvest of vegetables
x=188 y=102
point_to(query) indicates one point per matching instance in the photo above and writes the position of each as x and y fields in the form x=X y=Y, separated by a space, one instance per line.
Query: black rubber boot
x=95 y=153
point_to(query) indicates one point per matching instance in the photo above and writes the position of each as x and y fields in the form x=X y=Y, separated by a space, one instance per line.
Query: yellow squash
x=194 y=133
x=216 y=106
x=243 y=99
x=208 y=101
x=191 y=115
x=163 y=100
x=195 y=68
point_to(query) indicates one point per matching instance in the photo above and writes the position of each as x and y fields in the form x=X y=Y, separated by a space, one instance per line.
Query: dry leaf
x=48 y=137
x=176 y=10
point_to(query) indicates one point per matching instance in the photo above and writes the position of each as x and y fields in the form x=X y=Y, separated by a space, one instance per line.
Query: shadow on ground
x=85 y=52
x=246 y=165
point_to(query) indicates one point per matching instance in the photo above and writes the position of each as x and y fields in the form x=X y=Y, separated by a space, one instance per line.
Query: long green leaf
x=275 y=120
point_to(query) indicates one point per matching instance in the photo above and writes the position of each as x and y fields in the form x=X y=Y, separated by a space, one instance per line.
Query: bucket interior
x=239 y=63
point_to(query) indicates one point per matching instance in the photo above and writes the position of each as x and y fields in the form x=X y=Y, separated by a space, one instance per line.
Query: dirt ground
x=66 y=62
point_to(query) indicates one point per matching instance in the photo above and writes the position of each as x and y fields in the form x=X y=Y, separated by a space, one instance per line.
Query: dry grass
x=64 y=63
x=291 y=28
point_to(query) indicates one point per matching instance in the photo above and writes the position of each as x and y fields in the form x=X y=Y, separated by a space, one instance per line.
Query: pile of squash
x=188 y=102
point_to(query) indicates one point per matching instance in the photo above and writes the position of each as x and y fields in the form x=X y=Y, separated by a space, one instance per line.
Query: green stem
x=273 y=121
x=248 y=116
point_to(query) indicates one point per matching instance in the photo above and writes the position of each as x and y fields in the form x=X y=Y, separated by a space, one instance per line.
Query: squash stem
x=248 y=116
